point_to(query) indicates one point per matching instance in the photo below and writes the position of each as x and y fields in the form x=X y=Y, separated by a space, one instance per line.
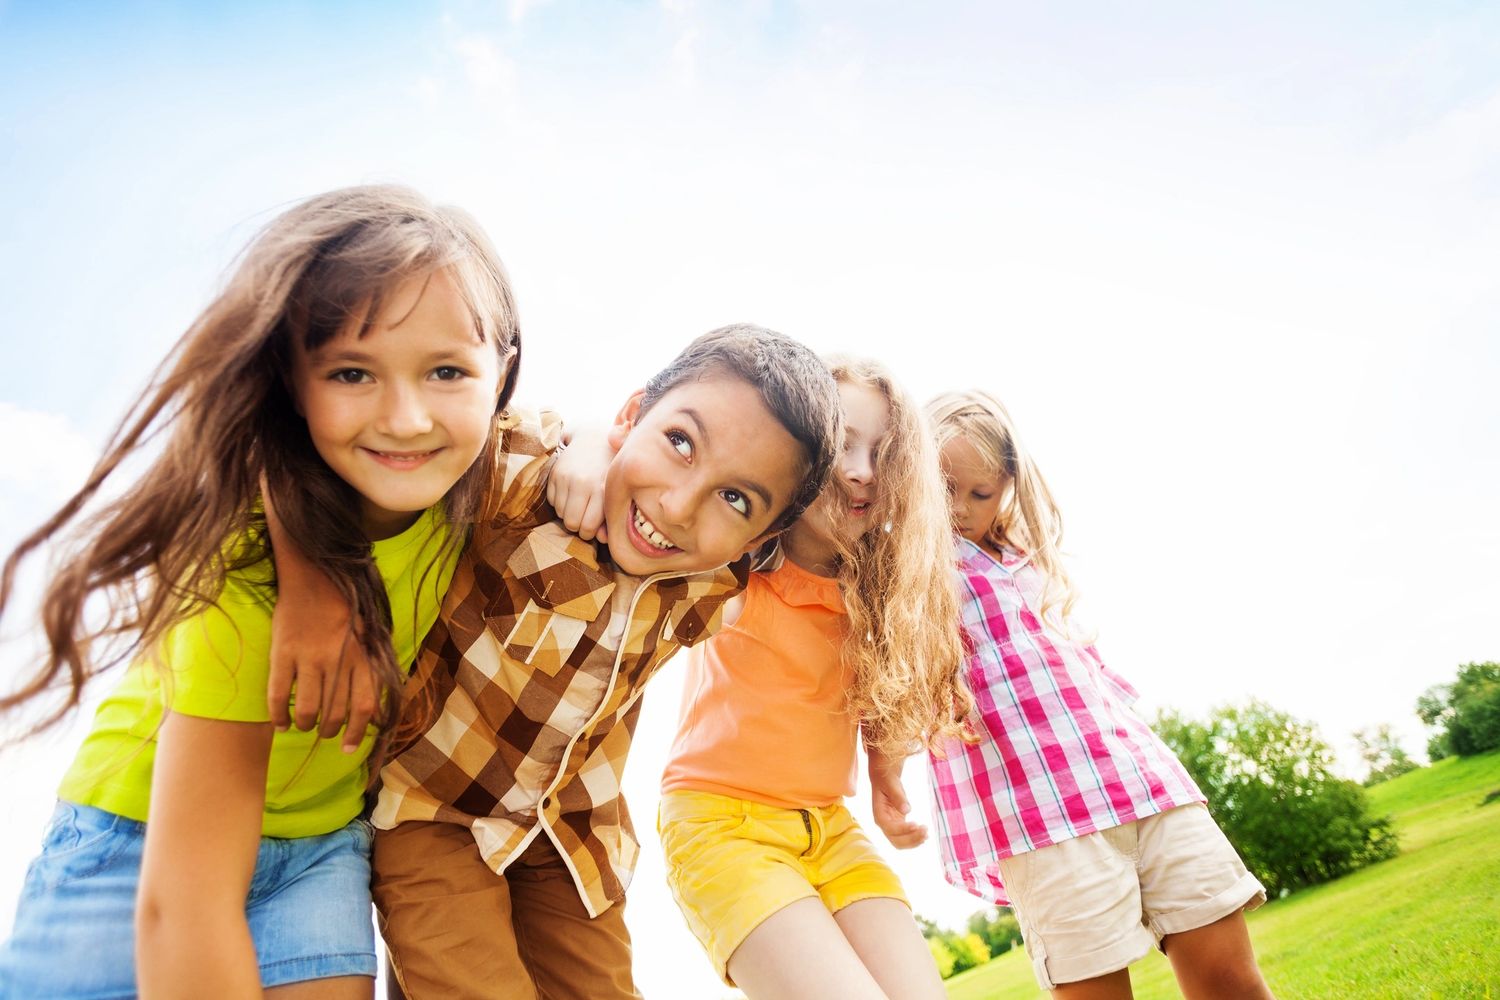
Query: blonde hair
x=1027 y=519
x=903 y=644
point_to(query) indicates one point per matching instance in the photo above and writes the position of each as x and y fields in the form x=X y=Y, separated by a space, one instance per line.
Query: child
x=1068 y=808
x=354 y=363
x=503 y=848
x=848 y=629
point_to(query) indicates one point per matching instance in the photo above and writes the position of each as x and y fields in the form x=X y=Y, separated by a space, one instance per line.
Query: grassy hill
x=1423 y=924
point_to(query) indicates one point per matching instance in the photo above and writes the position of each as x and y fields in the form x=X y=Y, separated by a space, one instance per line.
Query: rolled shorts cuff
x=298 y=970
x=1245 y=894
x=1051 y=971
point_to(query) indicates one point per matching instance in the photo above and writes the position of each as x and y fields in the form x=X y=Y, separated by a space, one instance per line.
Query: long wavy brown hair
x=221 y=402
x=903 y=644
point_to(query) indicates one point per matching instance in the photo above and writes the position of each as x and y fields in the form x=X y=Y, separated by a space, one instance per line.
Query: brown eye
x=737 y=500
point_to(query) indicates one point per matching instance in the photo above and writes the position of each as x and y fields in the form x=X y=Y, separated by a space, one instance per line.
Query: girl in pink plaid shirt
x=1068 y=808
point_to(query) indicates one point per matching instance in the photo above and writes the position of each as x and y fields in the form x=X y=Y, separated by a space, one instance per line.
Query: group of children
x=346 y=506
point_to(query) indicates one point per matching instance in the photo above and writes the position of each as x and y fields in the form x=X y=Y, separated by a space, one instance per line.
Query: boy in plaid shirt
x=503 y=845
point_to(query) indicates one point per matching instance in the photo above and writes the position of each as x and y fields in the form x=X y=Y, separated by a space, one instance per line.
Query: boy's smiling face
x=698 y=479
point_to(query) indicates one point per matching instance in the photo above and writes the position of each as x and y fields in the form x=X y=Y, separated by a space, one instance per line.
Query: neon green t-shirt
x=219 y=664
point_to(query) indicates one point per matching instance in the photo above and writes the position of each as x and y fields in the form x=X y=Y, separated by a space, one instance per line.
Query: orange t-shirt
x=764 y=715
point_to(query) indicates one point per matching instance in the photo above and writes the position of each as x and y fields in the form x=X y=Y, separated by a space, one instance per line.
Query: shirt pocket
x=552 y=591
x=691 y=620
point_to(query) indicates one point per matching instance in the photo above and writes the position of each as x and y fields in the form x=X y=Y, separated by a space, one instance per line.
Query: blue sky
x=1233 y=269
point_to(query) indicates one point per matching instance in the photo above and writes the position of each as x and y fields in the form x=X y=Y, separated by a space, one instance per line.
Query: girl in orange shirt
x=849 y=628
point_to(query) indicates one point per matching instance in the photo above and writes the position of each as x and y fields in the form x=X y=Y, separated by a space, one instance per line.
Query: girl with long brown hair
x=352 y=366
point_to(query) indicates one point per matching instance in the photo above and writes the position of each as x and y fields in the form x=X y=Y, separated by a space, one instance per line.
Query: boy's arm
x=313 y=647
x=207 y=795
x=888 y=804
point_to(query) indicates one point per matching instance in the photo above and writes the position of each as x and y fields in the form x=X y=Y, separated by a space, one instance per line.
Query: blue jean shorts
x=308 y=909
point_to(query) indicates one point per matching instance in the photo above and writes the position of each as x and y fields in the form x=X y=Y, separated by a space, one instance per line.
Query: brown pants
x=455 y=929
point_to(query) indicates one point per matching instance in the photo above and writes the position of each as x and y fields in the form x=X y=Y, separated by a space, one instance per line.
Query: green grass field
x=1423 y=924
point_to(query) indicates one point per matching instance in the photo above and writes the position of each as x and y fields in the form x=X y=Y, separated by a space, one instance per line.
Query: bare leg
x=1216 y=961
x=332 y=988
x=885 y=936
x=1111 y=986
x=800 y=952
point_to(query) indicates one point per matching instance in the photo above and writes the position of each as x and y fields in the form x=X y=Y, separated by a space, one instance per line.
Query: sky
x=1233 y=269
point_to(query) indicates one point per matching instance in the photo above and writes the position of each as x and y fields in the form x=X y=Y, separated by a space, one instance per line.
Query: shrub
x=1475 y=726
x=942 y=955
x=1270 y=785
x=997 y=927
x=955 y=953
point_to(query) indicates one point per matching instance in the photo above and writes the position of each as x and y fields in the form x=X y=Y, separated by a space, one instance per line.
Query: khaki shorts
x=1095 y=904
x=732 y=863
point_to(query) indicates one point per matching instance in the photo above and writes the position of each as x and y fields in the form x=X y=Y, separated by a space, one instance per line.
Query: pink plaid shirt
x=1061 y=753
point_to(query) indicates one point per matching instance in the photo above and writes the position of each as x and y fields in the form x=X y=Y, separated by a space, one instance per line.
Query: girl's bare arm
x=207 y=796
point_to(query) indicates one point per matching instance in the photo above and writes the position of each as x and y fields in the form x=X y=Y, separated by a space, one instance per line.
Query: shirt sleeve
x=218 y=661
x=523 y=458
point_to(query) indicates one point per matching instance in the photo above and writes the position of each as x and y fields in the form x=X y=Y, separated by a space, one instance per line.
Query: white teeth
x=649 y=533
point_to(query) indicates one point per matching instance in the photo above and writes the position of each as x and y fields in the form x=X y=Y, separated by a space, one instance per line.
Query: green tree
x=1270 y=784
x=1434 y=710
x=1383 y=754
x=969 y=950
x=942 y=955
x=1466 y=713
x=997 y=927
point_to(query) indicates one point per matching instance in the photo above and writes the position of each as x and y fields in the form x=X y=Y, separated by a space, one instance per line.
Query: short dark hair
x=793 y=382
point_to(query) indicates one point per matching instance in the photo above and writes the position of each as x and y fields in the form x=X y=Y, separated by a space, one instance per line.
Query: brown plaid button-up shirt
x=532 y=679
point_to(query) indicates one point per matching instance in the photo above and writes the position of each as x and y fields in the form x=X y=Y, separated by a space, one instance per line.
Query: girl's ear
x=761 y=546
x=625 y=420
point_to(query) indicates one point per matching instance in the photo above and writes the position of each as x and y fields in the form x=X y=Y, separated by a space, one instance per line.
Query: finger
x=577 y=505
x=561 y=497
x=335 y=698
x=910 y=840
x=310 y=684
x=279 y=688
x=362 y=700
x=593 y=514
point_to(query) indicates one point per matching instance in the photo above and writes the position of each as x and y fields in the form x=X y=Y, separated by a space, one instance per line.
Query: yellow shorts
x=732 y=863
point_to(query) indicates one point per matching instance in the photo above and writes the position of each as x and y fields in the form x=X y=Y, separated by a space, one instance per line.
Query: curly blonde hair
x=1027 y=519
x=903 y=645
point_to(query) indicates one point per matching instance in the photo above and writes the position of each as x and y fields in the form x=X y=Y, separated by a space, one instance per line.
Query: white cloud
x=49 y=457
x=520 y=8
x=484 y=65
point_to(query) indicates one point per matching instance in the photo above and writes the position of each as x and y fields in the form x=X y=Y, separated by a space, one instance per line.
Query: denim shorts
x=308 y=909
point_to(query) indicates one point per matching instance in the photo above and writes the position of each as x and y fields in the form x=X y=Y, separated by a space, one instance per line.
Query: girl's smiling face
x=845 y=509
x=975 y=490
x=402 y=412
